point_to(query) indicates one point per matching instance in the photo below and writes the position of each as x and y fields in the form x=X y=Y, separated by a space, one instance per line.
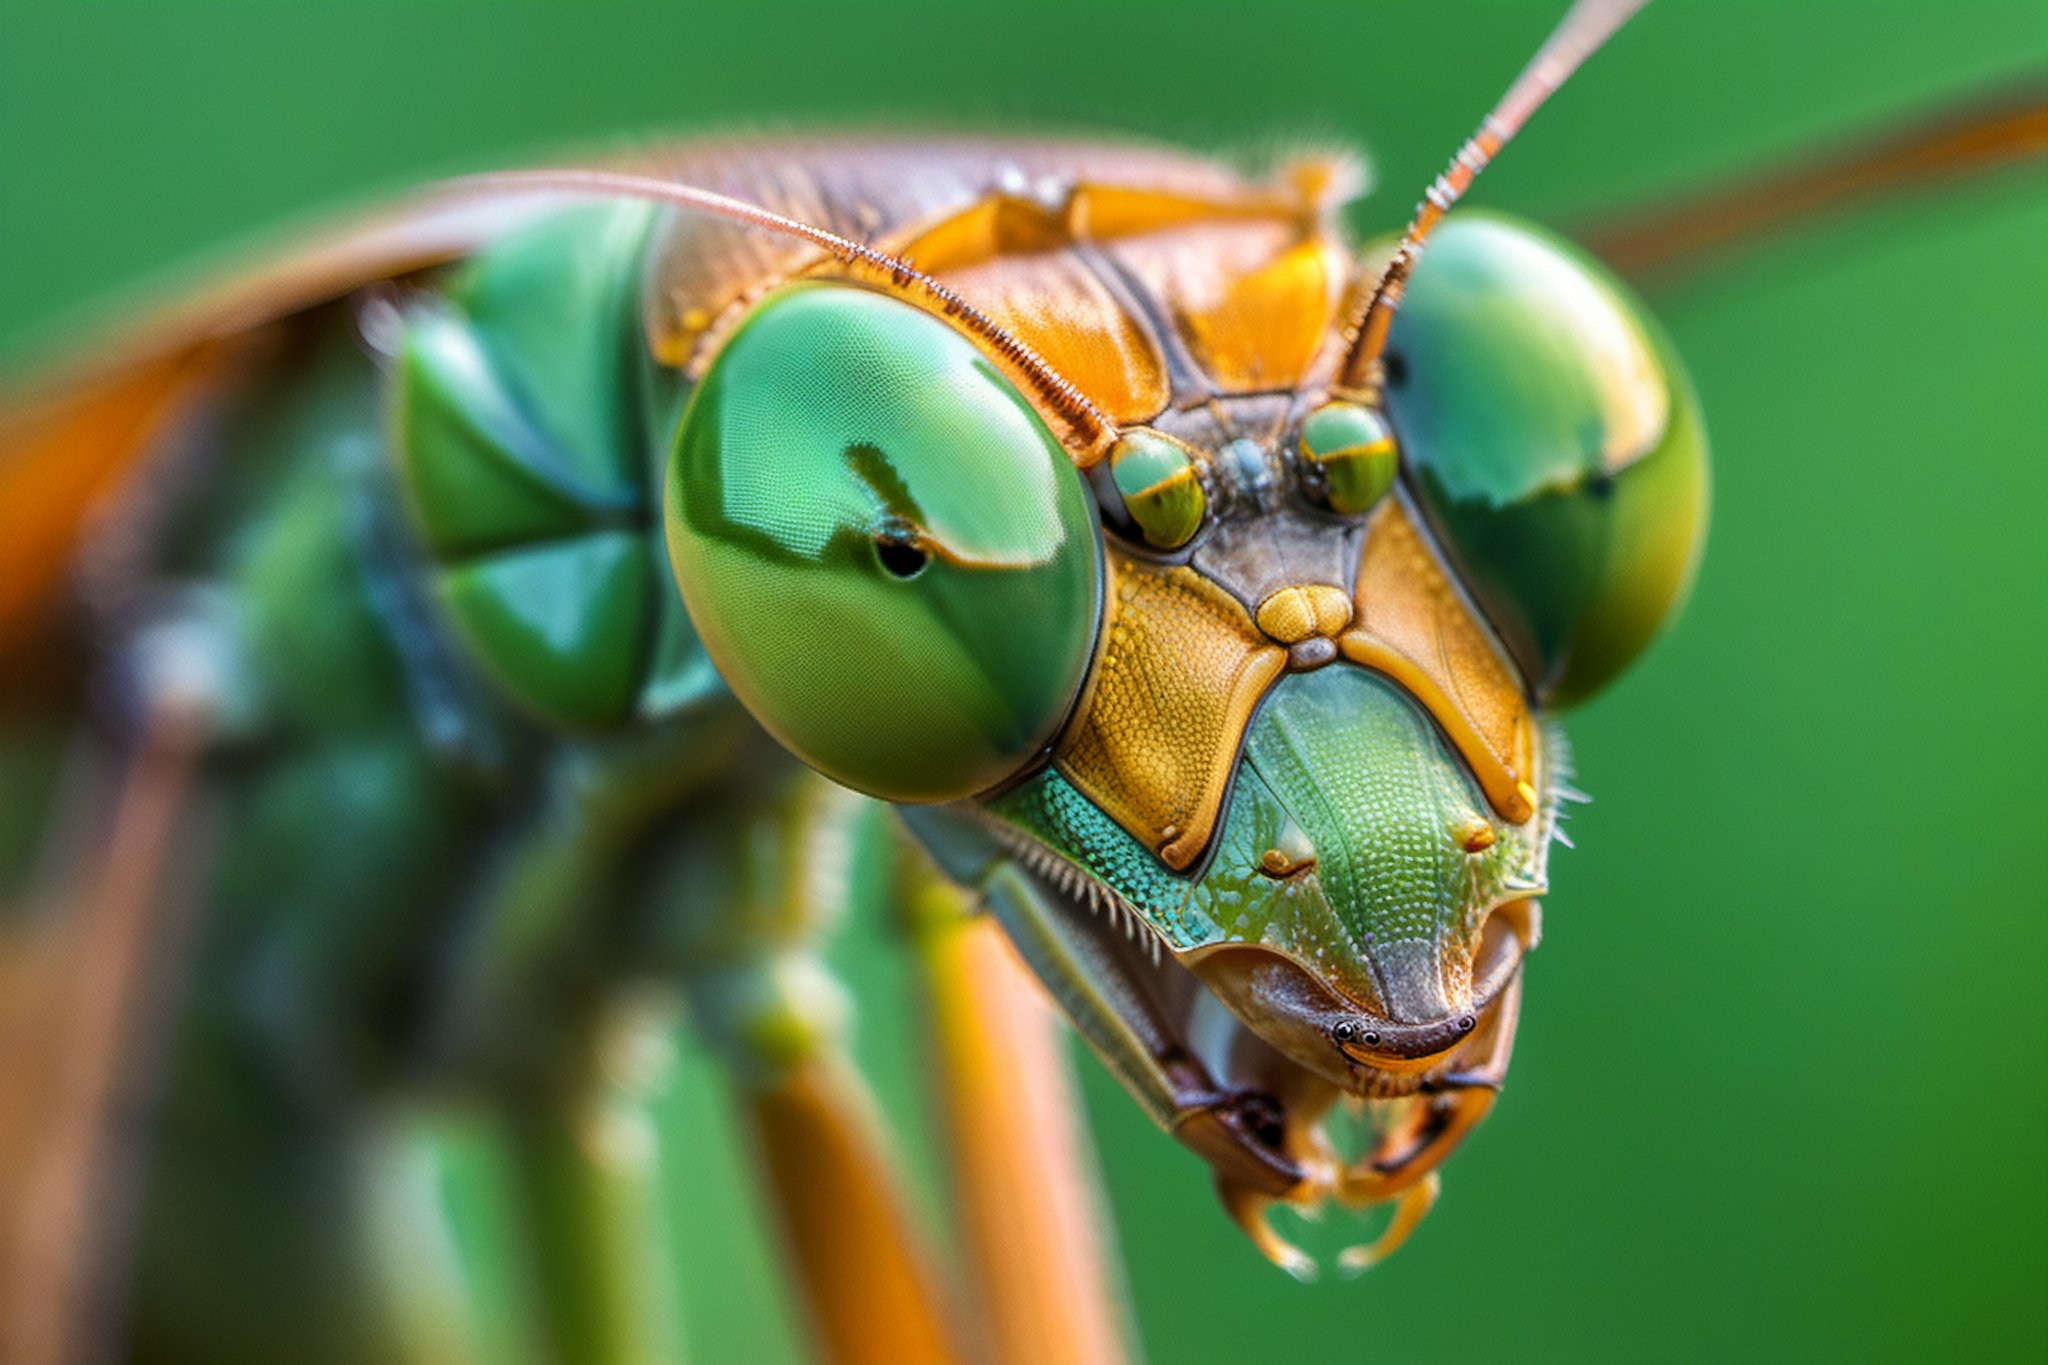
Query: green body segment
x=1555 y=441
x=527 y=419
x=319 y=908
x=884 y=547
x=458 y=701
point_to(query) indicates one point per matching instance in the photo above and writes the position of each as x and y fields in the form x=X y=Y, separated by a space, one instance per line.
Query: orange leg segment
x=864 y=1278
x=1025 y=1187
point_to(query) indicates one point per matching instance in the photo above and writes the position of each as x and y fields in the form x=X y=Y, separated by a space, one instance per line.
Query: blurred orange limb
x=1412 y=1207
x=66 y=1194
x=867 y=1282
x=1026 y=1190
x=1993 y=132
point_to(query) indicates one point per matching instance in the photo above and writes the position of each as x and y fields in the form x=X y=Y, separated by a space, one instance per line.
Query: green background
x=1782 y=1086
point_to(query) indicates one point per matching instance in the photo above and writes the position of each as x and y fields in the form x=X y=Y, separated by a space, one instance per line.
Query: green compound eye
x=886 y=551
x=1352 y=454
x=1554 y=440
x=1155 y=478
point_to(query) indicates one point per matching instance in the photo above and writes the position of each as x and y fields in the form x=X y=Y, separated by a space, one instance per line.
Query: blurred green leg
x=532 y=1005
x=584 y=1166
x=523 y=1234
x=442 y=1231
x=767 y=887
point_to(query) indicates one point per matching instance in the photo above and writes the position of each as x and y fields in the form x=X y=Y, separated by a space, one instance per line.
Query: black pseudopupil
x=901 y=558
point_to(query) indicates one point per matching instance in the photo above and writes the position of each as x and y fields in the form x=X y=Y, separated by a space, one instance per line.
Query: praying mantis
x=586 y=534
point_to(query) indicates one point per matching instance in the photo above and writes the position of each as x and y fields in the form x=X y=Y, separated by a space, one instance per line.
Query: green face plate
x=1345 y=777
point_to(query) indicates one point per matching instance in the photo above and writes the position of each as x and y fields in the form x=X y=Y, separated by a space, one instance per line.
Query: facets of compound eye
x=882 y=546
x=1155 y=477
x=1550 y=436
x=1353 y=448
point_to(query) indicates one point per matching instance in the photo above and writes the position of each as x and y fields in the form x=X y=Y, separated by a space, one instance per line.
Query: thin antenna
x=1988 y=132
x=1587 y=25
x=1058 y=393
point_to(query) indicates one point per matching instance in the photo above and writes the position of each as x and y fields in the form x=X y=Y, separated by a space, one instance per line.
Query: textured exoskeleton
x=486 y=587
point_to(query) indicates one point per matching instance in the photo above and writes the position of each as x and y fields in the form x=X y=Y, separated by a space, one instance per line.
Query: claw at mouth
x=1248 y=1209
x=1413 y=1134
x=1408 y=1215
x=1251 y=1048
x=1243 y=1138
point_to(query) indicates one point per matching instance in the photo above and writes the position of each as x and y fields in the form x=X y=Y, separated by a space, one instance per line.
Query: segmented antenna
x=1058 y=393
x=1586 y=26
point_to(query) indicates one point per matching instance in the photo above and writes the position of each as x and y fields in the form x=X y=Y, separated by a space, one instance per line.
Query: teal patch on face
x=1054 y=812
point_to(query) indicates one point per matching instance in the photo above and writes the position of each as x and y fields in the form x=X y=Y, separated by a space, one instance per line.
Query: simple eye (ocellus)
x=1552 y=438
x=885 y=549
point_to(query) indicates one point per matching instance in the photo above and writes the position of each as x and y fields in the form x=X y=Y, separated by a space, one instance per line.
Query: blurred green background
x=1782 y=1085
